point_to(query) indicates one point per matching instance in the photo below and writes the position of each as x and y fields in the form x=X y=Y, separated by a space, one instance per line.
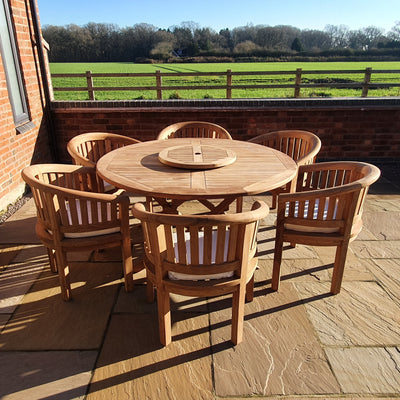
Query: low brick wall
x=367 y=129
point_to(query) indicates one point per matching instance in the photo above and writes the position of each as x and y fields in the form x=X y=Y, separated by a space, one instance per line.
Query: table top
x=137 y=168
x=197 y=156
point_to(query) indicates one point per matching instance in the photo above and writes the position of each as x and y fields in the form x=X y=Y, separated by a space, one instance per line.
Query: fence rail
x=298 y=76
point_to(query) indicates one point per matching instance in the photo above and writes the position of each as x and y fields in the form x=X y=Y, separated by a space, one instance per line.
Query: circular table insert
x=197 y=156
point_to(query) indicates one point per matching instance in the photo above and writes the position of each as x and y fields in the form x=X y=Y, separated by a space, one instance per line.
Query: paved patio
x=298 y=343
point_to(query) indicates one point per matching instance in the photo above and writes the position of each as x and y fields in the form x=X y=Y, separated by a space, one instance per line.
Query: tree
x=226 y=40
x=394 y=33
x=314 y=40
x=339 y=36
x=184 y=35
x=246 y=47
x=296 y=45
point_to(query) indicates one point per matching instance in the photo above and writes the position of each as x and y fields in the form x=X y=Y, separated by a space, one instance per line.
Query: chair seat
x=303 y=228
x=86 y=234
x=179 y=276
x=356 y=227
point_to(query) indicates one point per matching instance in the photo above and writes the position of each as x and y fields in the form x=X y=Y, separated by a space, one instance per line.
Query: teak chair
x=326 y=210
x=73 y=216
x=198 y=129
x=200 y=255
x=87 y=148
x=302 y=146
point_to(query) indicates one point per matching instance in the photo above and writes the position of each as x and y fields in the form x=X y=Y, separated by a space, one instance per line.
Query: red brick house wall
x=23 y=145
x=366 y=129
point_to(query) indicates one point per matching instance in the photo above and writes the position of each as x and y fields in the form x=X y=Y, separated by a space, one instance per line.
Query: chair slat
x=334 y=193
x=213 y=267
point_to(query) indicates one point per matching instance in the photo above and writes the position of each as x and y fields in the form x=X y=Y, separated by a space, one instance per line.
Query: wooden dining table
x=173 y=171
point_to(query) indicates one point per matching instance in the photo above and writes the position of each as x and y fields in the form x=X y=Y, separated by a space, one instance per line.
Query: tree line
x=103 y=42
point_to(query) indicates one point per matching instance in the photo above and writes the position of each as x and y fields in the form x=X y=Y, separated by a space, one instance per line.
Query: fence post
x=90 y=87
x=229 y=84
x=367 y=80
x=159 y=85
x=297 y=83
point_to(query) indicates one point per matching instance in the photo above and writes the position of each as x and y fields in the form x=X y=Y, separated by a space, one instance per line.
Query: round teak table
x=177 y=170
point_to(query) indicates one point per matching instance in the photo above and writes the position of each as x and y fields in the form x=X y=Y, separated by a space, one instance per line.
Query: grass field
x=60 y=68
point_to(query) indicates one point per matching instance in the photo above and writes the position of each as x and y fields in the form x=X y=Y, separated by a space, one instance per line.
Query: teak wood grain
x=137 y=168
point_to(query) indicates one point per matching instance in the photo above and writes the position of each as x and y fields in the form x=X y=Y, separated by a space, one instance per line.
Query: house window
x=9 y=54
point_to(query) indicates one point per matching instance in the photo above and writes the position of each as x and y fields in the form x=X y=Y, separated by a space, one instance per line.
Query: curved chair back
x=302 y=146
x=87 y=148
x=73 y=216
x=194 y=129
x=326 y=210
x=200 y=255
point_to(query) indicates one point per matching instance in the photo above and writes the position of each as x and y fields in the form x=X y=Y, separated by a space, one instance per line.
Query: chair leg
x=52 y=260
x=250 y=290
x=127 y=264
x=276 y=270
x=239 y=204
x=238 y=300
x=149 y=292
x=338 y=268
x=274 y=198
x=164 y=317
x=63 y=275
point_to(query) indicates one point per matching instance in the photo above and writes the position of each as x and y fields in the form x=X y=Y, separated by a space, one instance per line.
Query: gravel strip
x=12 y=208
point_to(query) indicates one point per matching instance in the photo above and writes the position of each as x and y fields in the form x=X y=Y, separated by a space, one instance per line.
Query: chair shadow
x=31 y=316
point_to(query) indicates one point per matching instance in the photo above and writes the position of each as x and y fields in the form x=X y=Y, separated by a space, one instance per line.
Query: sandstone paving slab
x=32 y=253
x=382 y=203
x=43 y=321
x=376 y=249
x=294 y=270
x=134 y=365
x=356 y=269
x=383 y=225
x=45 y=375
x=17 y=278
x=3 y=320
x=365 y=234
x=387 y=272
x=362 y=314
x=20 y=227
x=334 y=397
x=135 y=302
x=371 y=370
x=280 y=353
x=7 y=253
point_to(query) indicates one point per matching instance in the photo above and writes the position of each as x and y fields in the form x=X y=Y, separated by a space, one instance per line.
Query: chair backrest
x=187 y=249
x=87 y=148
x=194 y=129
x=329 y=197
x=68 y=204
x=302 y=146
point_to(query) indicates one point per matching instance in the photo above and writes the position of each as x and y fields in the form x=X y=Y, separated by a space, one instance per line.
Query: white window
x=9 y=54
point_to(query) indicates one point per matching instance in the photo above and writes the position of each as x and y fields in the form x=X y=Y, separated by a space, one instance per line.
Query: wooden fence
x=298 y=75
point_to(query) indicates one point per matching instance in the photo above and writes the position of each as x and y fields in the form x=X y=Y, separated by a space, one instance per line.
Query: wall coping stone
x=228 y=104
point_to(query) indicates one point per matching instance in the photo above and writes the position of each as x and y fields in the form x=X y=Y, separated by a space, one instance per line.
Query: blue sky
x=219 y=14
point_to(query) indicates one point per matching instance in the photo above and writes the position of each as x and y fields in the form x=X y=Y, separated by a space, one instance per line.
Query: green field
x=60 y=68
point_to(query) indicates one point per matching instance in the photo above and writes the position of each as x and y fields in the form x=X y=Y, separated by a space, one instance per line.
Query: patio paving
x=299 y=343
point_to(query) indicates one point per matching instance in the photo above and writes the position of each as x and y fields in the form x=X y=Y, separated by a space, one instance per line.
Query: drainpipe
x=46 y=88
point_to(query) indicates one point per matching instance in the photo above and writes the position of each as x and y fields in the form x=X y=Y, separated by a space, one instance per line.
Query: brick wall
x=367 y=129
x=27 y=144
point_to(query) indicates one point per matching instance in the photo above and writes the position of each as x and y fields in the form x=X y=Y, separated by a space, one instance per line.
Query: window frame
x=16 y=92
